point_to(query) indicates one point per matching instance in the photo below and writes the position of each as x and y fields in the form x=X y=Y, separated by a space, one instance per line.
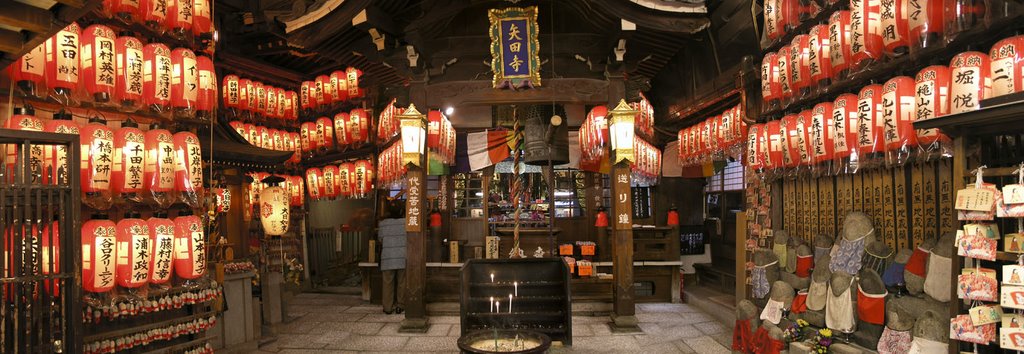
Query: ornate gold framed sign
x=514 y=47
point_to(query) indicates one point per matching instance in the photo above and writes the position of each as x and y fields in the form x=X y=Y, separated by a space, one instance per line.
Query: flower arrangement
x=822 y=341
x=795 y=332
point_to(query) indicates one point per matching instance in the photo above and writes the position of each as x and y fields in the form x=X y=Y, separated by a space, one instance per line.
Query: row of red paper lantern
x=440 y=137
x=644 y=121
x=593 y=135
x=94 y=65
x=351 y=180
x=156 y=248
x=387 y=122
x=182 y=18
x=713 y=138
x=325 y=90
x=848 y=43
x=647 y=167
x=295 y=185
x=390 y=169
x=880 y=119
x=246 y=97
x=345 y=131
x=124 y=165
x=270 y=138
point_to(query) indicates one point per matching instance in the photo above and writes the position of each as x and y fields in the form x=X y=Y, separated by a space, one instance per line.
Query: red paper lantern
x=771 y=88
x=844 y=125
x=347 y=180
x=785 y=71
x=307 y=95
x=895 y=30
x=161 y=233
x=133 y=252
x=99 y=255
x=435 y=219
x=819 y=55
x=754 y=155
x=672 y=219
x=124 y=10
x=99 y=70
x=1007 y=66
x=772 y=27
x=55 y=157
x=739 y=125
x=308 y=133
x=50 y=244
x=325 y=133
x=364 y=178
x=434 y=118
x=184 y=81
x=265 y=140
x=840 y=41
x=156 y=81
x=802 y=139
x=354 y=75
x=239 y=128
x=97 y=163
x=246 y=100
x=333 y=185
x=271 y=99
x=870 y=137
x=206 y=98
x=972 y=81
x=179 y=17
x=296 y=146
x=926 y=23
x=866 y=32
x=822 y=143
x=315 y=183
x=932 y=100
x=188 y=171
x=260 y=100
x=602 y=218
x=359 y=128
x=963 y=15
x=24 y=119
x=800 y=64
x=202 y=22
x=128 y=93
x=339 y=81
x=252 y=135
x=295 y=187
x=324 y=90
x=278 y=138
x=62 y=64
x=29 y=71
x=790 y=141
x=787 y=16
x=160 y=166
x=153 y=14
x=290 y=111
x=189 y=247
x=341 y=132
x=898 y=98
x=772 y=149
x=129 y=162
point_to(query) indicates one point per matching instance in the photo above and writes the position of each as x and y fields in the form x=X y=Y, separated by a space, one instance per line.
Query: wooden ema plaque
x=453 y=251
x=492 y=245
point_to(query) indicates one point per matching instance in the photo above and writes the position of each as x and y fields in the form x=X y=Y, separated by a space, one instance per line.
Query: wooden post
x=624 y=309
x=415 y=251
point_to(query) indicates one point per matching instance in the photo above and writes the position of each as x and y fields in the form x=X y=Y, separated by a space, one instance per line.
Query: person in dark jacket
x=391 y=234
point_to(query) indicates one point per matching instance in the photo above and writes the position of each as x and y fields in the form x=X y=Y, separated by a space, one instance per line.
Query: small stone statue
x=539 y=253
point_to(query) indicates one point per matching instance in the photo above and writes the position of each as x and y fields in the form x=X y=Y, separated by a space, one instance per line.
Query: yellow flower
x=825 y=332
x=801 y=323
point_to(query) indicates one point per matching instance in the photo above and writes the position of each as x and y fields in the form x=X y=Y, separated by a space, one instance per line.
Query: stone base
x=815 y=318
x=796 y=282
x=624 y=324
x=841 y=348
x=414 y=325
x=799 y=347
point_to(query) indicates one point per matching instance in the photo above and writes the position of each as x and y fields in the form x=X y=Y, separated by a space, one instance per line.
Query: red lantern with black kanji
x=325 y=133
x=802 y=139
x=260 y=100
x=29 y=72
x=341 y=133
x=123 y=10
x=97 y=163
x=840 y=41
x=822 y=143
x=324 y=91
x=346 y=173
x=265 y=140
x=898 y=99
x=927 y=23
x=820 y=56
x=160 y=166
x=354 y=75
x=271 y=99
x=315 y=183
x=161 y=235
x=184 y=82
x=62 y=64
x=844 y=125
x=332 y=187
x=128 y=93
x=895 y=28
x=790 y=131
x=188 y=171
x=55 y=157
x=296 y=146
x=129 y=162
x=800 y=64
x=99 y=70
x=179 y=18
x=1007 y=66
x=202 y=21
x=866 y=32
x=870 y=137
x=278 y=139
x=971 y=81
x=153 y=14
x=785 y=71
x=339 y=80
x=99 y=255
x=230 y=91
x=289 y=106
x=24 y=119
x=50 y=244
x=307 y=93
x=931 y=100
x=189 y=246
x=206 y=98
x=246 y=96
x=295 y=187
x=772 y=149
x=156 y=81
x=364 y=178
x=308 y=134
x=754 y=155
x=134 y=254
x=359 y=127
x=252 y=135
x=771 y=89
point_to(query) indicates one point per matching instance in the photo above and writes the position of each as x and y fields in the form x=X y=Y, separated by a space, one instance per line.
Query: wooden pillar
x=415 y=252
x=624 y=309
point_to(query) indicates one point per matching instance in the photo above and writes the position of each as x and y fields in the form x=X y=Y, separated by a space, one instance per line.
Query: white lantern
x=621 y=131
x=414 y=135
x=274 y=210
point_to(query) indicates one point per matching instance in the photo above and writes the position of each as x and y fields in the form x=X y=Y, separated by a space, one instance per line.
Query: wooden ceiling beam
x=26 y=17
x=73 y=3
x=11 y=41
x=658 y=20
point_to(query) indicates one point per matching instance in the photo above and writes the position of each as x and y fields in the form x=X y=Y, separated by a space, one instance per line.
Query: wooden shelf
x=1000 y=115
x=136 y=329
x=181 y=346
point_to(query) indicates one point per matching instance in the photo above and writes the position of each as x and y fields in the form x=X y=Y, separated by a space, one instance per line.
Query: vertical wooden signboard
x=931 y=200
x=917 y=223
x=900 y=208
x=886 y=211
x=947 y=217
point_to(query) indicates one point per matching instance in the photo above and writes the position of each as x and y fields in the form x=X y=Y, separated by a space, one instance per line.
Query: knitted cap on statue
x=871 y=298
x=938 y=281
x=916 y=268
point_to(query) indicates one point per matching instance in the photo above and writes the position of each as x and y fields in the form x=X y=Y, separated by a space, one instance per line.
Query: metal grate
x=41 y=263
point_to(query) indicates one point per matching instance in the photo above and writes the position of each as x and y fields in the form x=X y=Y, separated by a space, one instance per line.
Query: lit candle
x=492 y=277
x=497 y=305
x=509 y=303
x=516 y=285
x=492 y=303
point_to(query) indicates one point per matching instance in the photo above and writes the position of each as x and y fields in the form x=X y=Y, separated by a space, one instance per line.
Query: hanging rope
x=517 y=185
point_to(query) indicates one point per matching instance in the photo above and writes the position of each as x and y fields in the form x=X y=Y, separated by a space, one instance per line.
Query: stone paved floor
x=328 y=323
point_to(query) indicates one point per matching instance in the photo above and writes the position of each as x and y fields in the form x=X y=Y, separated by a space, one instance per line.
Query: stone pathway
x=328 y=323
